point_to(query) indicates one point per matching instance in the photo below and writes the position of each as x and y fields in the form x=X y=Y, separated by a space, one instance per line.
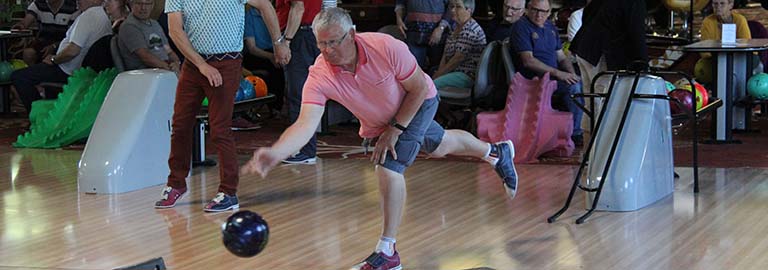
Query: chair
x=393 y=31
x=117 y=58
x=506 y=56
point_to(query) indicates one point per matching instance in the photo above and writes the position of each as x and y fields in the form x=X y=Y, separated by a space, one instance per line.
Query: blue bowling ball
x=245 y=233
x=242 y=91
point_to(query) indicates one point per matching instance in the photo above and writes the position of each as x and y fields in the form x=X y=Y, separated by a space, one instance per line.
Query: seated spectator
x=141 y=41
x=89 y=27
x=117 y=10
x=462 y=49
x=513 y=11
x=723 y=13
x=259 y=55
x=423 y=22
x=52 y=17
x=538 y=50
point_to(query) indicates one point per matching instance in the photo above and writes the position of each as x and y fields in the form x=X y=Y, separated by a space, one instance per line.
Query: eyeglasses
x=536 y=10
x=514 y=9
x=331 y=43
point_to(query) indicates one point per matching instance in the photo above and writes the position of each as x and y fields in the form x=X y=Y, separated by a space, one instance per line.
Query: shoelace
x=219 y=197
x=166 y=191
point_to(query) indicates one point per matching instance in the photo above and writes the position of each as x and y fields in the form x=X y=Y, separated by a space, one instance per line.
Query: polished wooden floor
x=327 y=217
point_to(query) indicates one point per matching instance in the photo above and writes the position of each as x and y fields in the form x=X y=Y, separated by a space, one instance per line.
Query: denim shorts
x=423 y=133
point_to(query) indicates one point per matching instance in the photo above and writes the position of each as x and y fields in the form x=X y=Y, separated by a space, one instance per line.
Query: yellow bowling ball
x=684 y=5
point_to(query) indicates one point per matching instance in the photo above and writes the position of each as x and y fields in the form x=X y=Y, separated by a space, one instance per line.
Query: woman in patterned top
x=462 y=49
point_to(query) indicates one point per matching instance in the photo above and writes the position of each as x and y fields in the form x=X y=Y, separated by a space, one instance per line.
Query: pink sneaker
x=170 y=197
x=380 y=261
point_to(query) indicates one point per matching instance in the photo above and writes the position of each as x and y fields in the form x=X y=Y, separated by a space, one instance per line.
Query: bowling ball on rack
x=684 y=5
x=757 y=86
x=5 y=71
x=702 y=96
x=245 y=233
x=259 y=86
x=684 y=96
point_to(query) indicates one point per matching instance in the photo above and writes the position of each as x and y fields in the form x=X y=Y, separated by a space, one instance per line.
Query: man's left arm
x=565 y=64
x=416 y=89
x=282 y=52
x=68 y=53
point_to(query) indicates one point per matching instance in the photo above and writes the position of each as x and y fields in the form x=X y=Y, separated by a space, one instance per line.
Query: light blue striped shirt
x=213 y=26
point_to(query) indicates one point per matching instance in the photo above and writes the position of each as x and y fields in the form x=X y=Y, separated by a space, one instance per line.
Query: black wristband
x=397 y=125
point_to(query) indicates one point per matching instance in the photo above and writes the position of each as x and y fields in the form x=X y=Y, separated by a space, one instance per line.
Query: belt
x=305 y=27
x=222 y=56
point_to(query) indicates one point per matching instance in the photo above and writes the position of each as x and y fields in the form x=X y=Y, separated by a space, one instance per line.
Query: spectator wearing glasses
x=538 y=50
x=513 y=11
x=377 y=78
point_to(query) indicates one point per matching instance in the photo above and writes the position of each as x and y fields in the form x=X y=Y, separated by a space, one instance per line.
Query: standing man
x=295 y=18
x=513 y=11
x=379 y=81
x=611 y=37
x=212 y=47
x=537 y=45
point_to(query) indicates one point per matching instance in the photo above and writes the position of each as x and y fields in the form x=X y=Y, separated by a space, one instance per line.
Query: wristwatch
x=53 y=59
x=279 y=40
x=397 y=125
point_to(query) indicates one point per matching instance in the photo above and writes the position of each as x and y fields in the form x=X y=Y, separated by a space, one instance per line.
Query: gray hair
x=470 y=5
x=332 y=16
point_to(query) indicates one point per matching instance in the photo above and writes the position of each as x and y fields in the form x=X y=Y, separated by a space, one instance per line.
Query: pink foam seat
x=529 y=121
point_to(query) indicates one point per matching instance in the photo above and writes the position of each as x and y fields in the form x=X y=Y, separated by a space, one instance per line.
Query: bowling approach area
x=326 y=216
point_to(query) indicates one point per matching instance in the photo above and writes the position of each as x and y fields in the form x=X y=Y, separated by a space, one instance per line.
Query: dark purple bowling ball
x=245 y=233
x=684 y=96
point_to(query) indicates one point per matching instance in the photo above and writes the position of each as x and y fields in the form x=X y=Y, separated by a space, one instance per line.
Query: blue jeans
x=564 y=91
x=423 y=133
x=424 y=53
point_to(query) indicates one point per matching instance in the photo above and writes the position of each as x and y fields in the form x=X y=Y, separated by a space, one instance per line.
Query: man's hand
x=282 y=54
x=47 y=60
x=19 y=26
x=386 y=143
x=211 y=73
x=567 y=77
x=401 y=26
x=51 y=49
x=437 y=34
x=263 y=160
x=174 y=66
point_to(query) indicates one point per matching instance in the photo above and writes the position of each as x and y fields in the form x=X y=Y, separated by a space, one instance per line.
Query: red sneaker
x=170 y=197
x=380 y=261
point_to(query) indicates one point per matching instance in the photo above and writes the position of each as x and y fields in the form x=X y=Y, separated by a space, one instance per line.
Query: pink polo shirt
x=374 y=92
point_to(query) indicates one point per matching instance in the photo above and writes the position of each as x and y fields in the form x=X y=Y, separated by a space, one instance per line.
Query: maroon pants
x=191 y=90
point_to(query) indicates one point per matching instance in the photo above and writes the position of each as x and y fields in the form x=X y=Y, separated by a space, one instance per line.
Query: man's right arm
x=25 y=23
x=180 y=38
x=298 y=134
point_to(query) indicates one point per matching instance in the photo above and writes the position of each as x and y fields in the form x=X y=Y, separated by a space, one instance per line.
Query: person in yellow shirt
x=711 y=27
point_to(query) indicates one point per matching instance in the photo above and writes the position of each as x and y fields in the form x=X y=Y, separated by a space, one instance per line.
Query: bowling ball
x=5 y=71
x=670 y=86
x=757 y=86
x=684 y=96
x=245 y=85
x=245 y=234
x=702 y=96
x=259 y=86
x=18 y=64
x=703 y=70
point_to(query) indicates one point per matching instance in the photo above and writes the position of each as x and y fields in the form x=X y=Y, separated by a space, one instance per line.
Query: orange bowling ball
x=259 y=86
